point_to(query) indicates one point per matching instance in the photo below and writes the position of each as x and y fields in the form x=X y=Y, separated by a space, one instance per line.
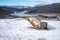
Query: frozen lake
x=23 y=14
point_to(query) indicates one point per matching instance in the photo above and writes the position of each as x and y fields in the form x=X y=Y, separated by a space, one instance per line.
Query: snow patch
x=18 y=29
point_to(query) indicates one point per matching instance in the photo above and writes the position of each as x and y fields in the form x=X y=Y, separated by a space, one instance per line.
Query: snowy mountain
x=52 y=8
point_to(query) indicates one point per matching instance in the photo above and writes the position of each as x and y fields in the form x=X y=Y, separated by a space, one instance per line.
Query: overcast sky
x=27 y=2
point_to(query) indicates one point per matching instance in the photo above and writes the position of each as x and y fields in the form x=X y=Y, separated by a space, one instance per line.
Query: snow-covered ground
x=20 y=29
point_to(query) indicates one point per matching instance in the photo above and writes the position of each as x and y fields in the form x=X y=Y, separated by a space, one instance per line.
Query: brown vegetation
x=35 y=24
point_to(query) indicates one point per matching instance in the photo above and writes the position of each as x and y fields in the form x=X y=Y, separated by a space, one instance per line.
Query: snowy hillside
x=20 y=29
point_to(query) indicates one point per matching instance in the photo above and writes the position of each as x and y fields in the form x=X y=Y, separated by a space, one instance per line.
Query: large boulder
x=43 y=25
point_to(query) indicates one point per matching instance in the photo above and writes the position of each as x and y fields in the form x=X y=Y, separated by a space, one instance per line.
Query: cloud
x=52 y=1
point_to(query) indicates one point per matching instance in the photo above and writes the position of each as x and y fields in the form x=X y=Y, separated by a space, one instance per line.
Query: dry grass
x=35 y=24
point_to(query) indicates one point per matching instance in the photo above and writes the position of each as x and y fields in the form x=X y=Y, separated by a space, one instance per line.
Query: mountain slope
x=53 y=8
